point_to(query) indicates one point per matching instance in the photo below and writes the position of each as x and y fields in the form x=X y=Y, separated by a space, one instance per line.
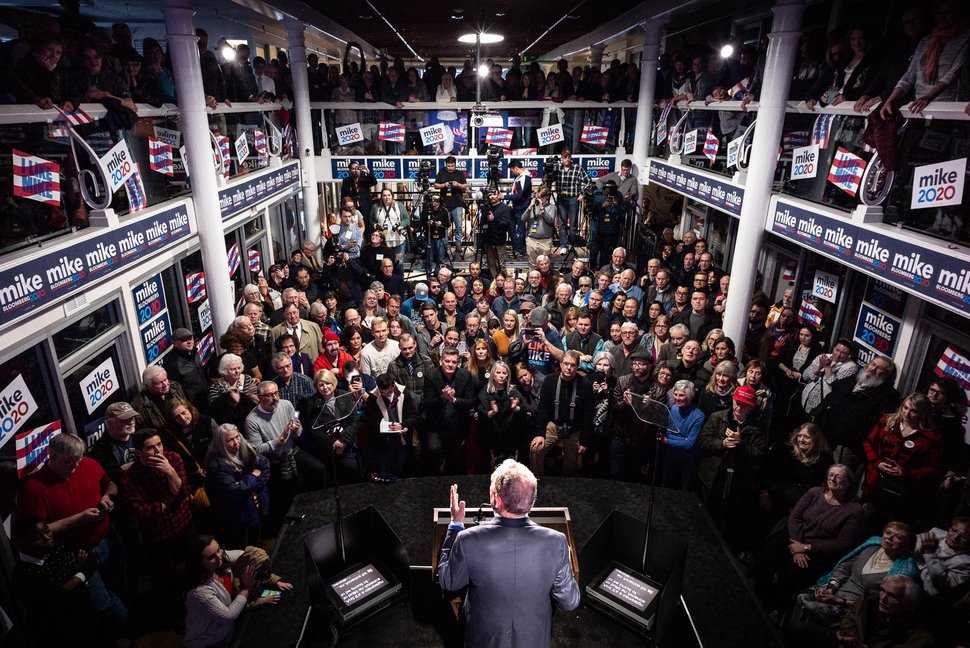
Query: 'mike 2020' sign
x=41 y=281
x=269 y=183
x=939 y=277
x=719 y=194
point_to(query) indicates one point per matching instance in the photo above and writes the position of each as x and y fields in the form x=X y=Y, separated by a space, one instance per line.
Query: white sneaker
x=563 y=250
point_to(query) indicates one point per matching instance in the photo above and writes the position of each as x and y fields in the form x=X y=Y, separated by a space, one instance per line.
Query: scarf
x=939 y=37
x=904 y=565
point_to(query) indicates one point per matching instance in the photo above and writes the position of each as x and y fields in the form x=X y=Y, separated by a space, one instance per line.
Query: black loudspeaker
x=615 y=581
x=373 y=576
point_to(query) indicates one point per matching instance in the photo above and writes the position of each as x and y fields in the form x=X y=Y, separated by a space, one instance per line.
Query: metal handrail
x=12 y=114
x=953 y=110
x=469 y=105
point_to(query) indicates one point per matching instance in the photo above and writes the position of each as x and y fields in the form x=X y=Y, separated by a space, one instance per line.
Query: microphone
x=480 y=516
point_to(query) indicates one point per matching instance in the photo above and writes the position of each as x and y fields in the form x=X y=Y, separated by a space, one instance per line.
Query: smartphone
x=600 y=376
x=270 y=592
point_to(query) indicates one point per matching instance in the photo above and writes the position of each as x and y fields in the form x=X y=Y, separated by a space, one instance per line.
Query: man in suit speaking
x=507 y=606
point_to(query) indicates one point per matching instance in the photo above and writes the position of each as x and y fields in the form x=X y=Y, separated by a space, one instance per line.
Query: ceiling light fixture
x=481 y=37
x=727 y=51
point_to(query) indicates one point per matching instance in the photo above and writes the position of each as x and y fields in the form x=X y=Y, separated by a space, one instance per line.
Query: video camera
x=550 y=169
x=493 y=159
x=424 y=174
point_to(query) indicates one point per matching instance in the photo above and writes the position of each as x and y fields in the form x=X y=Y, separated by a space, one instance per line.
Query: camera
x=600 y=377
x=424 y=174
x=564 y=430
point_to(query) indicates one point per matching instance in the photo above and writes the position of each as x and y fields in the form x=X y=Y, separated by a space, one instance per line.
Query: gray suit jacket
x=516 y=571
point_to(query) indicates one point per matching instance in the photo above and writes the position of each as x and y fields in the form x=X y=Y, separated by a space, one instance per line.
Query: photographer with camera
x=390 y=217
x=565 y=417
x=539 y=220
x=520 y=199
x=496 y=224
x=605 y=222
x=358 y=186
x=437 y=223
x=571 y=185
x=453 y=184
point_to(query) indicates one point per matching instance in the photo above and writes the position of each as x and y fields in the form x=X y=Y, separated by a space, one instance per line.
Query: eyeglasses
x=934 y=391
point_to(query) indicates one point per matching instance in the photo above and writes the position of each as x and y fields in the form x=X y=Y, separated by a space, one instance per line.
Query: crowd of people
x=799 y=453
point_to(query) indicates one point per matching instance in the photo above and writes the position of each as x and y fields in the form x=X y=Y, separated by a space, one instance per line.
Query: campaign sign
x=937 y=275
x=149 y=298
x=168 y=136
x=825 y=286
x=117 y=166
x=16 y=406
x=156 y=338
x=532 y=165
x=550 y=135
x=433 y=134
x=340 y=167
x=938 y=185
x=804 y=163
x=690 y=142
x=877 y=330
x=596 y=166
x=886 y=297
x=242 y=148
x=33 y=284
x=254 y=188
x=349 y=134
x=461 y=164
x=385 y=168
x=710 y=190
x=98 y=385
x=205 y=315
x=733 y=150
x=481 y=168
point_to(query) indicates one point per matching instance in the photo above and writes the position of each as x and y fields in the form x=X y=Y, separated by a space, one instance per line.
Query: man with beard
x=624 y=352
x=853 y=407
x=755 y=336
x=565 y=417
x=632 y=442
x=448 y=399
x=332 y=357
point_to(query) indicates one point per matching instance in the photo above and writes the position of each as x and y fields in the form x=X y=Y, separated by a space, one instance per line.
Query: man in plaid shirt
x=155 y=489
x=571 y=182
x=410 y=367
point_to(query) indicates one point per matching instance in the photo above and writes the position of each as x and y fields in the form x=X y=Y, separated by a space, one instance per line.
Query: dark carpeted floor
x=720 y=605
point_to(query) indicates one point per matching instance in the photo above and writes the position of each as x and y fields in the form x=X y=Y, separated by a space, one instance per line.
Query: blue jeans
x=458 y=218
x=518 y=236
x=568 y=211
x=436 y=253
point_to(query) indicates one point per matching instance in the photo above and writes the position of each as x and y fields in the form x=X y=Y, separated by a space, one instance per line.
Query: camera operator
x=390 y=217
x=571 y=184
x=626 y=183
x=453 y=184
x=358 y=186
x=349 y=237
x=438 y=221
x=496 y=220
x=605 y=222
x=520 y=198
x=565 y=417
x=539 y=220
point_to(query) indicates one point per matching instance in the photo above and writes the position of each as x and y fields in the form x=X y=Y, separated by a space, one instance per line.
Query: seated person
x=944 y=556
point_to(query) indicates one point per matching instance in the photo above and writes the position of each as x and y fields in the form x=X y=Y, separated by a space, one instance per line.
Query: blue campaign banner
x=385 y=168
x=936 y=276
x=34 y=284
x=149 y=298
x=597 y=166
x=258 y=187
x=877 y=330
x=717 y=193
x=156 y=338
x=481 y=168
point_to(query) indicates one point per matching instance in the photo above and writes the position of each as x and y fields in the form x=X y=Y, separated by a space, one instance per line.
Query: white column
x=648 y=83
x=184 y=50
x=304 y=129
x=780 y=60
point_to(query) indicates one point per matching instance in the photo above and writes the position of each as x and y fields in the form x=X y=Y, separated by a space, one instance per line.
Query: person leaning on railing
x=40 y=79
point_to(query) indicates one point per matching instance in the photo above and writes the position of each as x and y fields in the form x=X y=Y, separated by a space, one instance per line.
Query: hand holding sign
x=349 y=134
x=432 y=134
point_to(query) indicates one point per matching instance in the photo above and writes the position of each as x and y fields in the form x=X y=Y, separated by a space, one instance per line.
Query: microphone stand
x=653 y=491
x=335 y=427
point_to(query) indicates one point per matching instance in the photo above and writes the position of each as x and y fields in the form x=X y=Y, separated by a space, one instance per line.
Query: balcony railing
x=62 y=202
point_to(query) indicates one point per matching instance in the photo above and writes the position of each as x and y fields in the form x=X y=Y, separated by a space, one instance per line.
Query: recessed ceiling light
x=454 y=17
x=500 y=14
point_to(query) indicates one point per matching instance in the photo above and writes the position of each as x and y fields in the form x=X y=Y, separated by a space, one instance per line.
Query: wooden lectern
x=553 y=517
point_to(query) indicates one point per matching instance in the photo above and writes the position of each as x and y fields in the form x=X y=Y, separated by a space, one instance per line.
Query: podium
x=552 y=517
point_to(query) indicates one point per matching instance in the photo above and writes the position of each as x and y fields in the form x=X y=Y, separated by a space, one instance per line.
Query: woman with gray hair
x=236 y=481
x=720 y=388
x=233 y=395
x=596 y=461
x=683 y=455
